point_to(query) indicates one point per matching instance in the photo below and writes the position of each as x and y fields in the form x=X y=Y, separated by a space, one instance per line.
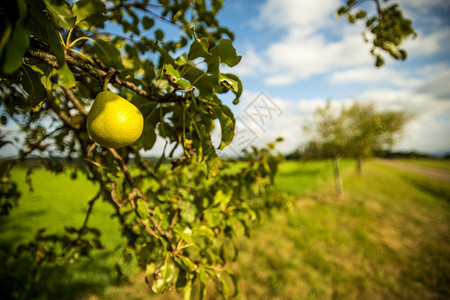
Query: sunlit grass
x=386 y=238
x=59 y=201
x=298 y=178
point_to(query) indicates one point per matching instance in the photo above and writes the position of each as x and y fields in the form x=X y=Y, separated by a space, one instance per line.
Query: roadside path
x=433 y=173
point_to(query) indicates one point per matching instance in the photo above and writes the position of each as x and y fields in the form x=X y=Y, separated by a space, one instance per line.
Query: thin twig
x=122 y=165
x=75 y=101
x=35 y=146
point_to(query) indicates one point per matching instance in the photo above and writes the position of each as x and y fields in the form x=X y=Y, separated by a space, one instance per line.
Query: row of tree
x=356 y=131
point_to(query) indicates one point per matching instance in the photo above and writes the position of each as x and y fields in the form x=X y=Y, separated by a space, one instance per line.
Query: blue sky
x=297 y=55
x=300 y=56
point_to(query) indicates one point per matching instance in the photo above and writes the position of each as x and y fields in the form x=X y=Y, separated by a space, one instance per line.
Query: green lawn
x=58 y=201
x=387 y=238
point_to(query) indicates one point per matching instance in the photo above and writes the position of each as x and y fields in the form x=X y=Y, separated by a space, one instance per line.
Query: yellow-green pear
x=114 y=122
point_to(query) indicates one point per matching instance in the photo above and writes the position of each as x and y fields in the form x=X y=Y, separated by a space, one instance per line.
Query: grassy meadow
x=388 y=237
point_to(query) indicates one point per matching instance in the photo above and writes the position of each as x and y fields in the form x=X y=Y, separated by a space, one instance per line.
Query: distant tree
x=329 y=140
x=357 y=131
x=370 y=131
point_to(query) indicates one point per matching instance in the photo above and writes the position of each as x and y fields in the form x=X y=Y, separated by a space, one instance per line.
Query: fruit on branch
x=114 y=122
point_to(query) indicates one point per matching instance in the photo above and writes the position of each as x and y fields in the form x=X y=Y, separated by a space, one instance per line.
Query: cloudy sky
x=297 y=55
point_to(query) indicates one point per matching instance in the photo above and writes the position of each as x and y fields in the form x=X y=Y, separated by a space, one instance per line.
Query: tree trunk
x=337 y=177
x=359 y=165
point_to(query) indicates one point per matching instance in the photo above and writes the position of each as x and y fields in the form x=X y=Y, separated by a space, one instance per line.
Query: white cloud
x=430 y=130
x=370 y=75
x=294 y=13
x=303 y=49
x=250 y=63
x=311 y=42
x=428 y=43
x=437 y=85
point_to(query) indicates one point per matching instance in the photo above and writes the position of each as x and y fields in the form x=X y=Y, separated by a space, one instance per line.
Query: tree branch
x=100 y=74
x=74 y=100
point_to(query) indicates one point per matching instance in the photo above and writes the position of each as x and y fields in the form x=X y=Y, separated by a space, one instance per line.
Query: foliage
x=371 y=131
x=386 y=30
x=8 y=188
x=55 y=57
x=359 y=130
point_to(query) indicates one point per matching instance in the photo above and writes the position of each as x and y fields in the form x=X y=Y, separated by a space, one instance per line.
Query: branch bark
x=100 y=74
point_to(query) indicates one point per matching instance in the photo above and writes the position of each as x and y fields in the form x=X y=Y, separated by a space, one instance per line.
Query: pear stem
x=108 y=77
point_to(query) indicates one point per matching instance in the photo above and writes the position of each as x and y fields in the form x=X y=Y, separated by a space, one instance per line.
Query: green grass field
x=387 y=238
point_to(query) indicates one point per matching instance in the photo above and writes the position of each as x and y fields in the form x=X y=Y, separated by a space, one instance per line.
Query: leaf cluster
x=55 y=57
x=386 y=30
x=359 y=130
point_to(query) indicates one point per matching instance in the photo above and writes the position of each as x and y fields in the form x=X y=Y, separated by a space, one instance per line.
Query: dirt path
x=438 y=174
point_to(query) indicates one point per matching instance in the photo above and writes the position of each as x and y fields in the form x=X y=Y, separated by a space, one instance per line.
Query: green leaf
x=227 y=125
x=227 y=53
x=31 y=83
x=166 y=277
x=159 y=34
x=238 y=91
x=87 y=11
x=173 y=76
x=184 y=231
x=45 y=30
x=222 y=199
x=213 y=217
x=235 y=284
x=62 y=13
x=188 y=263
x=223 y=286
x=86 y=8
x=107 y=53
x=5 y=33
x=213 y=161
x=188 y=211
x=5 y=168
x=55 y=44
x=15 y=47
x=213 y=63
x=148 y=137
x=199 y=48
x=188 y=291
x=47 y=74
x=379 y=61
x=202 y=276
x=170 y=71
x=228 y=83
x=65 y=77
x=203 y=82
x=142 y=209
x=147 y=22
x=203 y=231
